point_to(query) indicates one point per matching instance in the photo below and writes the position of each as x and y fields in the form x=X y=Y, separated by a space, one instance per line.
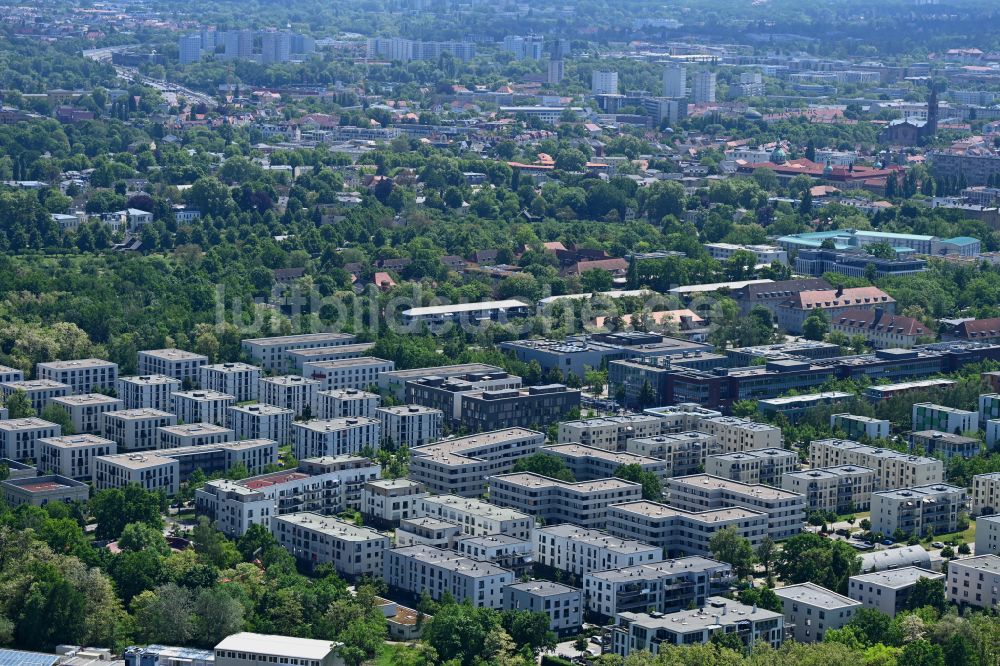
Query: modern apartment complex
x=290 y=392
x=353 y=550
x=583 y=503
x=562 y=603
x=857 y=427
x=261 y=421
x=240 y=380
x=359 y=372
x=476 y=518
x=334 y=437
x=271 y=353
x=81 y=375
x=892 y=468
x=409 y=425
x=415 y=569
x=840 y=490
x=38 y=391
x=763 y=466
x=928 y=416
x=148 y=392
x=202 y=406
x=889 y=591
x=683 y=452
x=193 y=434
x=341 y=403
x=610 y=432
x=985 y=493
x=736 y=434
x=664 y=587
x=589 y=464
x=813 y=610
x=919 y=510
x=387 y=501
x=136 y=429
x=974 y=582
x=72 y=456
x=680 y=532
x=19 y=437
x=86 y=411
x=579 y=551
x=182 y=365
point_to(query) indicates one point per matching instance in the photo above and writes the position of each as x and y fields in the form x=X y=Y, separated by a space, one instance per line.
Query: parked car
x=938 y=544
x=888 y=542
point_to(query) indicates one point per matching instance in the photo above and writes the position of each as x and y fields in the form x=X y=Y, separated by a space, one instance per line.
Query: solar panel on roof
x=22 y=658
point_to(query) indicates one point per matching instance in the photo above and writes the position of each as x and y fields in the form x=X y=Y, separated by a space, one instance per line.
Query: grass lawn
x=390 y=652
x=965 y=536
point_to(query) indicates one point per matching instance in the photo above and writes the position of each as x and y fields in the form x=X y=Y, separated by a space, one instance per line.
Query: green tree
x=729 y=547
x=922 y=653
x=140 y=536
x=115 y=508
x=652 y=489
x=545 y=464
x=57 y=414
x=529 y=629
x=53 y=612
x=816 y=325
x=810 y=557
x=19 y=405
x=928 y=592
x=766 y=552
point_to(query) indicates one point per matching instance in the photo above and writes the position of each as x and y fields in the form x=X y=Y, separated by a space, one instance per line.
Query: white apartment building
x=975 y=582
x=353 y=550
x=387 y=501
x=928 y=416
x=588 y=463
x=985 y=494
x=889 y=591
x=840 y=490
x=297 y=358
x=920 y=510
x=260 y=421
x=150 y=470
x=680 y=532
x=414 y=569
x=177 y=363
x=38 y=391
x=247 y=649
x=462 y=465
x=988 y=535
x=476 y=517
x=785 y=510
x=583 y=503
x=856 y=427
x=579 y=551
x=681 y=417
x=136 y=429
x=892 y=468
x=240 y=380
x=193 y=434
x=360 y=372
x=683 y=452
x=765 y=254
x=334 y=437
x=502 y=550
x=989 y=407
x=764 y=466
x=291 y=392
x=412 y=425
x=82 y=375
x=86 y=411
x=202 y=406
x=562 y=603
x=72 y=456
x=341 y=403
x=610 y=432
x=992 y=429
x=663 y=587
x=148 y=392
x=427 y=531
x=736 y=434
x=814 y=610
x=19 y=437
x=604 y=82
x=8 y=374
x=270 y=353
x=752 y=625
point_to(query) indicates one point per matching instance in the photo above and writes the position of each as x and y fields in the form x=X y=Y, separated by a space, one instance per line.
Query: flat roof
x=331 y=526
x=658 y=569
x=864 y=449
x=28 y=423
x=574 y=450
x=290 y=380
x=650 y=509
x=859 y=419
x=72 y=441
x=830 y=472
x=262 y=408
x=149 y=380
x=450 y=560
x=85 y=399
x=990 y=563
x=44 y=484
x=347 y=362
x=715 y=286
x=294 y=339
x=189 y=429
x=807 y=398
x=231 y=367
x=543 y=588
x=404 y=410
x=815 y=595
x=280 y=646
x=897 y=578
x=332 y=349
x=138 y=413
x=532 y=480
x=943 y=408
x=330 y=425
x=737 y=422
x=476 y=507
x=174 y=354
x=203 y=395
x=623 y=420
x=710 y=616
x=756 y=454
x=461 y=450
x=927 y=491
x=77 y=363
x=140 y=460
x=348 y=394
x=597 y=538
x=443 y=370
x=707 y=481
x=456 y=308
x=29 y=385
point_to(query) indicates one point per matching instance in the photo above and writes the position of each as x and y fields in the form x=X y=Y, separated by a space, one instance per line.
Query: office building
x=945 y=444
x=609 y=432
x=583 y=503
x=892 y=468
x=812 y=610
x=19 y=437
x=360 y=372
x=927 y=416
x=189 y=49
x=703 y=86
x=177 y=363
x=247 y=649
x=342 y=403
x=918 y=511
x=680 y=532
x=162 y=655
x=785 y=510
x=42 y=490
x=387 y=501
x=889 y=591
x=664 y=587
x=271 y=353
x=261 y=421
x=562 y=603
x=886 y=391
x=579 y=551
x=394 y=382
x=353 y=550
x=639 y=631
x=794 y=407
x=975 y=582
x=86 y=411
x=193 y=434
x=409 y=425
x=736 y=434
x=588 y=463
x=476 y=517
x=857 y=427
x=202 y=406
x=461 y=466
x=988 y=535
x=415 y=569
x=840 y=490
x=38 y=391
x=290 y=392
x=334 y=437
x=136 y=429
x=148 y=392
x=240 y=380
x=675 y=81
x=763 y=466
x=604 y=82
x=534 y=407
x=985 y=498
x=445 y=393
x=82 y=375
x=73 y=455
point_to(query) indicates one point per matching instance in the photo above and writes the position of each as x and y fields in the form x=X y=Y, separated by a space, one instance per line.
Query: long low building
x=765 y=466
x=461 y=466
x=892 y=468
x=313 y=539
x=476 y=517
x=584 y=503
x=588 y=463
x=609 y=432
x=683 y=452
x=889 y=591
x=579 y=551
x=680 y=532
x=918 y=511
x=844 y=489
x=785 y=510
x=419 y=569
